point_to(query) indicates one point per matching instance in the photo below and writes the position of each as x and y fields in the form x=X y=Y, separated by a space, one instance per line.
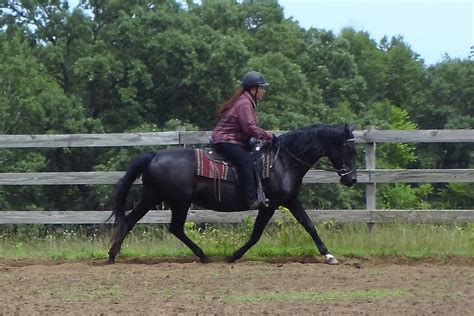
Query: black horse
x=170 y=176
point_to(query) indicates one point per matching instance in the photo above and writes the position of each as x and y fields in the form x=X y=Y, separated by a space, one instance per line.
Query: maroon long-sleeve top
x=239 y=123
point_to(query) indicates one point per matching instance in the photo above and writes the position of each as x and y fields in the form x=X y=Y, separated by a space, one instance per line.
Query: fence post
x=370 y=186
x=179 y=130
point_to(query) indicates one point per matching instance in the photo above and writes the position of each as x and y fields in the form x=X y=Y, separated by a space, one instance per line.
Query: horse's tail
x=135 y=169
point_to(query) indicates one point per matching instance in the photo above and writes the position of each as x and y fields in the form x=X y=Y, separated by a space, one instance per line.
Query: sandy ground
x=285 y=286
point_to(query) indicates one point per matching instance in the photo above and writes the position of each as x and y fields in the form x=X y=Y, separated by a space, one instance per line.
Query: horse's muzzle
x=348 y=179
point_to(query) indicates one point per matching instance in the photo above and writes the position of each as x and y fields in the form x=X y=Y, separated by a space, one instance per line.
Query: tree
x=406 y=79
x=289 y=102
x=449 y=105
x=32 y=102
x=371 y=64
x=451 y=98
x=332 y=69
x=116 y=65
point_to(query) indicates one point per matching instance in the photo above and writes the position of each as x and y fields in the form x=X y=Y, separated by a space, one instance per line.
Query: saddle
x=211 y=164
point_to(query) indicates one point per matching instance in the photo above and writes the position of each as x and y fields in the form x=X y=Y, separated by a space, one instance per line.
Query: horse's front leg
x=302 y=217
x=263 y=217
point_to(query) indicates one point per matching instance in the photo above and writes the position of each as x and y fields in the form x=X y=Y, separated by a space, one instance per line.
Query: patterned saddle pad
x=211 y=165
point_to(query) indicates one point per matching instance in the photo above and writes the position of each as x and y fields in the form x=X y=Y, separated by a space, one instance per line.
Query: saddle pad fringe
x=266 y=165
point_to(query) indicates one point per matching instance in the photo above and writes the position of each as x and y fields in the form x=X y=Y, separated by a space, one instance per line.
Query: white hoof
x=330 y=259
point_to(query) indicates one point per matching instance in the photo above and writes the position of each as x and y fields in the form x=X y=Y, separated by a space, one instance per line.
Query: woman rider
x=238 y=123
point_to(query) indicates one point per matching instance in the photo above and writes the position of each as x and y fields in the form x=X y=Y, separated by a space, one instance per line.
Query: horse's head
x=343 y=158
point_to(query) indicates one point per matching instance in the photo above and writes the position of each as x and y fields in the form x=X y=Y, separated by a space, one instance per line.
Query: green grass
x=283 y=238
x=399 y=239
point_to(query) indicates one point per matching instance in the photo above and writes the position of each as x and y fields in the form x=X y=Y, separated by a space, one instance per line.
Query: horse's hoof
x=230 y=259
x=111 y=261
x=331 y=260
x=204 y=260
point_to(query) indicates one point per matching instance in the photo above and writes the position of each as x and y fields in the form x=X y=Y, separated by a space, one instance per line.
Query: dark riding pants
x=242 y=159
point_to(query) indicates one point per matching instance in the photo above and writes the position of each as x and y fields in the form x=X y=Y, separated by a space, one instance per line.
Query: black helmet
x=253 y=79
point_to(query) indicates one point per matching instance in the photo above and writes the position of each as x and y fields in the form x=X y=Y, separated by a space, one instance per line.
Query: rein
x=341 y=172
x=294 y=157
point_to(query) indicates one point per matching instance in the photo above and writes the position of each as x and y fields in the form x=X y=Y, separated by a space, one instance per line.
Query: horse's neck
x=299 y=165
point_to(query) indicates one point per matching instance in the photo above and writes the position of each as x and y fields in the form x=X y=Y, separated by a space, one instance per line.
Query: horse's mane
x=311 y=137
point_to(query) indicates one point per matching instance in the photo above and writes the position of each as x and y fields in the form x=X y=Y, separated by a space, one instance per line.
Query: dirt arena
x=302 y=286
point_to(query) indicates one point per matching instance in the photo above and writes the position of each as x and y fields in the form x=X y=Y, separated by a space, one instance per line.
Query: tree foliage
x=118 y=66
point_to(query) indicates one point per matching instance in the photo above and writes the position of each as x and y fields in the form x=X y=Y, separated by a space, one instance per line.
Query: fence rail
x=193 y=138
x=206 y=216
x=368 y=176
x=313 y=176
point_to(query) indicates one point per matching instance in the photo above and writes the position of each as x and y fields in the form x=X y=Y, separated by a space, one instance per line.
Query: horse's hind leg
x=178 y=218
x=146 y=203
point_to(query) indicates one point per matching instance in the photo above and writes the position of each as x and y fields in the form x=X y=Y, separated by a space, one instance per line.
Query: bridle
x=341 y=172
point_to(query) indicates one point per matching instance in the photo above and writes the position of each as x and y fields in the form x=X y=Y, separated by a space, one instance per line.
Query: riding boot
x=244 y=164
x=248 y=186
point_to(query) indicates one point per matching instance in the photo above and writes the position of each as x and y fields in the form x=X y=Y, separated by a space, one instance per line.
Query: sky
x=432 y=28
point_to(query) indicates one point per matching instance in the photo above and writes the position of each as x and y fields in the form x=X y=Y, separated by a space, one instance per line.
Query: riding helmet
x=253 y=79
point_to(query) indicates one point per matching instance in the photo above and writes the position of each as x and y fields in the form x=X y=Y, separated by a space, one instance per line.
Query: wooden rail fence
x=369 y=176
